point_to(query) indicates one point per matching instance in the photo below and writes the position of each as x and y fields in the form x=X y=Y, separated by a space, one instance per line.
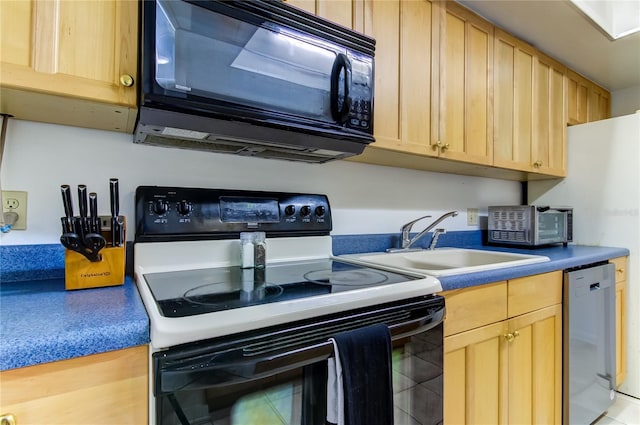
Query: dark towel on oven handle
x=364 y=361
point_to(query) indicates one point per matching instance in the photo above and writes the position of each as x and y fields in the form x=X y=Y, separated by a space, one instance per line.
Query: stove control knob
x=184 y=207
x=290 y=210
x=320 y=211
x=160 y=206
x=305 y=210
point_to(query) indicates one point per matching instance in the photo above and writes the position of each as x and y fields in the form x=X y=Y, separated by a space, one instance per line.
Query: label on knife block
x=80 y=273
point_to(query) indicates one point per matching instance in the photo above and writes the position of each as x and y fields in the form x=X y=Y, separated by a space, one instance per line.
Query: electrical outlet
x=14 y=201
x=472 y=216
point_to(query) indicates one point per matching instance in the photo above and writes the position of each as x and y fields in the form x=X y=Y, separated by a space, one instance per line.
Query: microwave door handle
x=340 y=115
x=245 y=370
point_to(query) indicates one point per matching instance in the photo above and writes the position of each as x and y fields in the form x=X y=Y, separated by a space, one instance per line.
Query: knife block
x=80 y=273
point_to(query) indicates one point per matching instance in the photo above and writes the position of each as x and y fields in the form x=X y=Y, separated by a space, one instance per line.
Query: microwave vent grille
x=244 y=148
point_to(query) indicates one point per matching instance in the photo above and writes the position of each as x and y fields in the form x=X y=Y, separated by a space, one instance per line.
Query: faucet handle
x=410 y=224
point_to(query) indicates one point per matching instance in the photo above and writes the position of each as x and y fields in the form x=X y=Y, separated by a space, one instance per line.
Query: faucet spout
x=407 y=242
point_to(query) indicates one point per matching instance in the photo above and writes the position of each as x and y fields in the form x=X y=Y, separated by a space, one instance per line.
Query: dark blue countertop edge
x=41 y=267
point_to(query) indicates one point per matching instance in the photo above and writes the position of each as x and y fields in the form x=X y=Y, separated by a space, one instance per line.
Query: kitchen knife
x=116 y=227
x=82 y=205
x=94 y=219
x=68 y=209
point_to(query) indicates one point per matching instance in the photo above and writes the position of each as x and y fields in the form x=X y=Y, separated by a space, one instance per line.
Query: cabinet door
x=475 y=378
x=70 y=50
x=405 y=83
x=382 y=22
x=599 y=104
x=549 y=132
x=466 y=84
x=514 y=65
x=106 y=388
x=577 y=98
x=535 y=367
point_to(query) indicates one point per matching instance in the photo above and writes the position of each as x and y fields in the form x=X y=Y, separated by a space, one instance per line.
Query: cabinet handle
x=620 y=270
x=511 y=336
x=7 y=419
x=126 y=80
x=442 y=146
x=537 y=164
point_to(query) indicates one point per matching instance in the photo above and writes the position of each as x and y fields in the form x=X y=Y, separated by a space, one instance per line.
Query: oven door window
x=293 y=389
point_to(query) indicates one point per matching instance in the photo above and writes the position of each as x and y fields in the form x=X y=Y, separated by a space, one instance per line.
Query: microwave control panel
x=173 y=213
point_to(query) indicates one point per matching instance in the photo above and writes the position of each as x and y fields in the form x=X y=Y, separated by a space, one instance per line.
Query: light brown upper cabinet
x=586 y=101
x=433 y=79
x=404 y=83
x=70 y=62
x=549 y=145
x=529 y=100
x=465 y=130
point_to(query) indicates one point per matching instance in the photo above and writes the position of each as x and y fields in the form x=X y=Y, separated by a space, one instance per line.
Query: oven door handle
x=218 y=373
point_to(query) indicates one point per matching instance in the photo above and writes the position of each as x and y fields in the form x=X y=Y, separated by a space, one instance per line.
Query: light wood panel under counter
x=503 y=352
x=106 y=388
x=620 y=265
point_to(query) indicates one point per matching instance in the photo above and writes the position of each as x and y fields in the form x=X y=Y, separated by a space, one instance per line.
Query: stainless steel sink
x=447 y=261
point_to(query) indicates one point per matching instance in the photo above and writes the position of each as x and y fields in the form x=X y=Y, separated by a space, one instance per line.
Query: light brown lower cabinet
x=106 y=388
x=621 y=313
x=507 y=371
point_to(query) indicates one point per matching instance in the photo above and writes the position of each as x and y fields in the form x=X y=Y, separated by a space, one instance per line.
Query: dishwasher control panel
x=175 y=213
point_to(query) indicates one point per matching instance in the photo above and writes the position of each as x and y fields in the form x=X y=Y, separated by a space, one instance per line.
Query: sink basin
x=447 y=261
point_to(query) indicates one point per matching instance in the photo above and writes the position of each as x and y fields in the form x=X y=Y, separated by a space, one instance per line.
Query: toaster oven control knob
x=184 y=207
x=320 y=211
x=289 y=210
x=160 y=206
x=305 y=210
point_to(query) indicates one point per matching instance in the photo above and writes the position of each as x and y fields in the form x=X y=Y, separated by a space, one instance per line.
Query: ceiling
x=560 y=30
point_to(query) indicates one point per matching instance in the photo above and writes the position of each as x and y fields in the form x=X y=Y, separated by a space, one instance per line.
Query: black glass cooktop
x=192 y=292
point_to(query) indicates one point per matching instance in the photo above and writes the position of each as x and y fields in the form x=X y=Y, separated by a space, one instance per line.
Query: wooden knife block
x=80 y=273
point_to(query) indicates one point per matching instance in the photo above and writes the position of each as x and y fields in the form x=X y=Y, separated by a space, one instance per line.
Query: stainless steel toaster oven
x=530 y=225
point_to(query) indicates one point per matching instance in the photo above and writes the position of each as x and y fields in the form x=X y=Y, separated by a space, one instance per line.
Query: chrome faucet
x=407 y=242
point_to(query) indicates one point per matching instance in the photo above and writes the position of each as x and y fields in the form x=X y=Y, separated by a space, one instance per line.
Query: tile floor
x=625 y=411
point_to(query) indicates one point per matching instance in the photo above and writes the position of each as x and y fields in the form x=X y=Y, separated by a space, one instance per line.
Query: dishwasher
x=589 y=353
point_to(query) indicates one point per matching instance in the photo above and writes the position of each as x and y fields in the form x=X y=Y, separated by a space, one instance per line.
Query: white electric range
x=200 y=301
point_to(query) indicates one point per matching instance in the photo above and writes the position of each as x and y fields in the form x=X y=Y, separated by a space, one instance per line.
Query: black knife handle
x=67 y=226
x=66 y=200
x=93 y=212
x=115 y=197
x=82 y=200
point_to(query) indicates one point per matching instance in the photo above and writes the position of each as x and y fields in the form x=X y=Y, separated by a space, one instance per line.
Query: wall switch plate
x=472 y=217
x=15 y=201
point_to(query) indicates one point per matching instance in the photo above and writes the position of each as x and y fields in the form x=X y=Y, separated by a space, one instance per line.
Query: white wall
x=365 y=198
x=625 y=102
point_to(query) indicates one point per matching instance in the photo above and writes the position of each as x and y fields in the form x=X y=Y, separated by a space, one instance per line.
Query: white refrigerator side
x=603 y=187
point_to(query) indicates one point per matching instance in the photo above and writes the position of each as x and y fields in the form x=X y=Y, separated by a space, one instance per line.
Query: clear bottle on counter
x=247 y=250
x=260 y=249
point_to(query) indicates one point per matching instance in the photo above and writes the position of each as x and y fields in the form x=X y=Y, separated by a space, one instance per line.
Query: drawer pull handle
x=620 y=270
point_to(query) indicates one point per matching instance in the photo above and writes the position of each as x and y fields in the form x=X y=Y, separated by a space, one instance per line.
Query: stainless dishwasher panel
x=589 y=343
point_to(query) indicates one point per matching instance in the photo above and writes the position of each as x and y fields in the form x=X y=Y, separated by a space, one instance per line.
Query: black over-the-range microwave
x=259 y=78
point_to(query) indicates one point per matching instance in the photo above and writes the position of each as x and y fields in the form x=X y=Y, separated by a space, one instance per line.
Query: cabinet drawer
x=620 y=264
x=476 y=306
x=531 y=293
